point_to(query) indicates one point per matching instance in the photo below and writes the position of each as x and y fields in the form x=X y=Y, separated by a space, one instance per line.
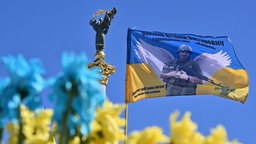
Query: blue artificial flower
x=3 y=84
x=77 y=93
x=24 y=85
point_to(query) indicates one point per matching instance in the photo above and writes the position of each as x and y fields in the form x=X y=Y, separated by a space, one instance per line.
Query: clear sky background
x=46 y=28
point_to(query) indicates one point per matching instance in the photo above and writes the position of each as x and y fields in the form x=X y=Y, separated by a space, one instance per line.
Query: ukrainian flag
x=149 y=52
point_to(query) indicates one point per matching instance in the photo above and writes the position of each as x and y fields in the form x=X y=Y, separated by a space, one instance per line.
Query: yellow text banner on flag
x=169 y=64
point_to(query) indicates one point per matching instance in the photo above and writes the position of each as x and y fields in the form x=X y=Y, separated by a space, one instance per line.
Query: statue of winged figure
x=101 y=27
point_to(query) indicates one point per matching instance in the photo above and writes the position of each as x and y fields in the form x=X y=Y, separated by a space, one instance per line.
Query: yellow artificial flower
x=134 y=137
x=36 y=126
x=197 y=138
x=219 y=136
x=151 y=135
x=13 y=131
x=106 y=128
x=75 y=140
x=184 y=132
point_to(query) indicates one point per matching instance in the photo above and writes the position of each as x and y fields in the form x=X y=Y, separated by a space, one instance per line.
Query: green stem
x=65 y=135
x=21 y=136
x=1 y=134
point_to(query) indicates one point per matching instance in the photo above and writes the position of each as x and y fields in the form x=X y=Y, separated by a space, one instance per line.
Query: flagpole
x=126 y=121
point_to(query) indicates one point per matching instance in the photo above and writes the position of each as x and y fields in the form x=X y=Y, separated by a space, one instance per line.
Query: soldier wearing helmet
x=180 y=75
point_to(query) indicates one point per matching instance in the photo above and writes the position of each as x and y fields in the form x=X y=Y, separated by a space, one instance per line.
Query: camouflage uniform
x=176 y=86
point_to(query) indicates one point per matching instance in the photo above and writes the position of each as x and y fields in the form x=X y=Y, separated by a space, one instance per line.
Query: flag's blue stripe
x=171 y=42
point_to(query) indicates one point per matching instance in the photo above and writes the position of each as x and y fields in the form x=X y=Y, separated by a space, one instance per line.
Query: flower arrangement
x=82 y=113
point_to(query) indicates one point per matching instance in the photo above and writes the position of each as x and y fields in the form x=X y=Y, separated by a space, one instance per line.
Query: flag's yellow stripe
x=236 y=80
x=142 y=82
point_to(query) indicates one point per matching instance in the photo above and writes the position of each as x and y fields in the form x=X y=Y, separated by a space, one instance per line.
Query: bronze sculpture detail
x=101 y=27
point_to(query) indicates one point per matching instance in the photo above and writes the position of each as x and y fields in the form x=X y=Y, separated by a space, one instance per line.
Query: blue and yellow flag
x=170 y=64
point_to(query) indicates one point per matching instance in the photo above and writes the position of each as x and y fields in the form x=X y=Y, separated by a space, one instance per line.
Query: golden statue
x=101 y=27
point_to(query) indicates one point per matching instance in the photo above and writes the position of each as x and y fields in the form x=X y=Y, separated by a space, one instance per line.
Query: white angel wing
x=210 y=63
x=155 y=57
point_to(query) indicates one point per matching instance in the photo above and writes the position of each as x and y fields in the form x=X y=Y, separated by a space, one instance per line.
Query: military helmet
x=184 y=47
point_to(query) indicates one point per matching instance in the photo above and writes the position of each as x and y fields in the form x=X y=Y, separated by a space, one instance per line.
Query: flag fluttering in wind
x=170 y=64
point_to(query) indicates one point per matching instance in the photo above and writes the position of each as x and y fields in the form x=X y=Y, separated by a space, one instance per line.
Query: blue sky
x=46 y=28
